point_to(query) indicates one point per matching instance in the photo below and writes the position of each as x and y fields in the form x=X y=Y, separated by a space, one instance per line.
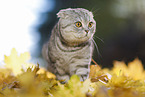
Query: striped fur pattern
x=69 y=50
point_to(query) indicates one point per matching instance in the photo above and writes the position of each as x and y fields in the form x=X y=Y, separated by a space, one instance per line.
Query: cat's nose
x=86 y=31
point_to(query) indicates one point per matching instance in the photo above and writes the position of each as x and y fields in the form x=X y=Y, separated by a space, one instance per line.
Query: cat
x=70 y=47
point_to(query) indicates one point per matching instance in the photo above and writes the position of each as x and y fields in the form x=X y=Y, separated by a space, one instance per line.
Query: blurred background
x=26 y=25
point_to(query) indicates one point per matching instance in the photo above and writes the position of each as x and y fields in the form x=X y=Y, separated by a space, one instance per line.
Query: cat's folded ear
x=63 y=13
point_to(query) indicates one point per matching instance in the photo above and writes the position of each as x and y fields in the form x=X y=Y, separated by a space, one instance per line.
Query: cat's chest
x=63 y=54
x=64 y=58
x=66 y=53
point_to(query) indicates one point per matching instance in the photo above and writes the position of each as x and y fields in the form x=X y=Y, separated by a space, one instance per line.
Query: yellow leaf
x=49 y=74
x=135 y=70
x=93 y=70
x=119 y=68
x=15 y=62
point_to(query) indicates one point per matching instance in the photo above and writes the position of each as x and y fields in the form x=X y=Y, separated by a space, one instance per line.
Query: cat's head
x=76 y=25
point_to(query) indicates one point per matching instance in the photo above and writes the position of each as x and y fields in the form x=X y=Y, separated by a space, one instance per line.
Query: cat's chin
x=79 y=41
x=75 y=44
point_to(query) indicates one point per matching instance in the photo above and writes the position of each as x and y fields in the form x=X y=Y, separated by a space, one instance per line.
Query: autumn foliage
x=19 y=78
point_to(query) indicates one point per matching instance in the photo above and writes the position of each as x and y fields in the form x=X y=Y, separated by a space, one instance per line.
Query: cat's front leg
x=83 y=73
x=80 y=67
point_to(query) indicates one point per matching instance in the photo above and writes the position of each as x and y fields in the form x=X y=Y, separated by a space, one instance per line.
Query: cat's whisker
x=99 y=38
x=96 y=47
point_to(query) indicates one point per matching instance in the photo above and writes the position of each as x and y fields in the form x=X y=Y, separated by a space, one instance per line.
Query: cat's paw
x=63 y=78
x=82 y=73
x=83 y=77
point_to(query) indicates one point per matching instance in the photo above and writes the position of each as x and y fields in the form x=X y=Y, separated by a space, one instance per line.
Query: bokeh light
x=18 y=21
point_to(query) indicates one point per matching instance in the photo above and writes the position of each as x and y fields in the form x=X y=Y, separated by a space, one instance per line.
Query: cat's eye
x=78 y=24
x=90 y=24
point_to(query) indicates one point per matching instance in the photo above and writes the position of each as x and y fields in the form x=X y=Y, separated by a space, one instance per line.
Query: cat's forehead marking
x=82 y=15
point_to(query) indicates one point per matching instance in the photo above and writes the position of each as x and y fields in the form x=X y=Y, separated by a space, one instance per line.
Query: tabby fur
x=69 y=49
